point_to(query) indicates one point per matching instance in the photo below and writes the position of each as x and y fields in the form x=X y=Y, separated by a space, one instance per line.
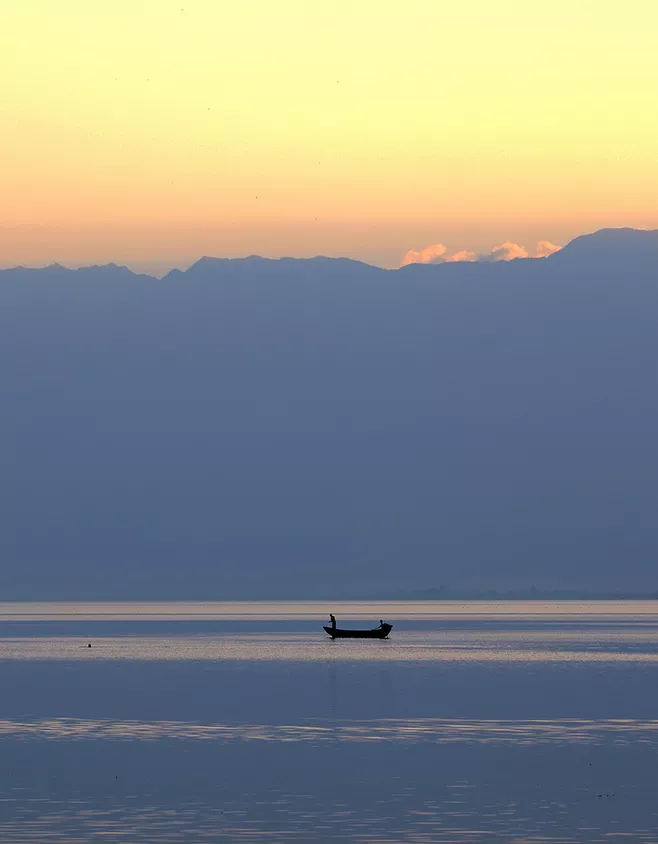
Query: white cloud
x=546 y=248
x=506 y=251
x=429 y=255
x=463 y=255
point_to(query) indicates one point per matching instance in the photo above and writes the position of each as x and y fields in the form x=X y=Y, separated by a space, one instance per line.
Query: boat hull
x=378 y=633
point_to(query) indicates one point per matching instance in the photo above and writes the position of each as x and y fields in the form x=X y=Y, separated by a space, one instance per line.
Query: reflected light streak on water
x=403 y=646
x=412 y=730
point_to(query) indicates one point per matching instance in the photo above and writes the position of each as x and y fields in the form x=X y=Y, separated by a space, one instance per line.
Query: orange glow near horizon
x=150 y=132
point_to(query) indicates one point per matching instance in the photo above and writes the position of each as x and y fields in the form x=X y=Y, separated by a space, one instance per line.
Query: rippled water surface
x=525 y=722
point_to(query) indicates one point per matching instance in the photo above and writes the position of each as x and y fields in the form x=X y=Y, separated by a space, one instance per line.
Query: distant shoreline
x=416 y=596
x=532 y=594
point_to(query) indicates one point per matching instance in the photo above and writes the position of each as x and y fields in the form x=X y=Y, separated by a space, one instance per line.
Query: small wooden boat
x=380 y=632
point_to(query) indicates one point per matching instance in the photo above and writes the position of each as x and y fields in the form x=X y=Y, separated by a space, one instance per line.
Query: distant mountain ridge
x=312 y=427
x=617 y=244
x=95 y=270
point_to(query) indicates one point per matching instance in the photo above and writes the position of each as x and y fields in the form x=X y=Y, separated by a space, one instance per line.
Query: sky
x=150 y=132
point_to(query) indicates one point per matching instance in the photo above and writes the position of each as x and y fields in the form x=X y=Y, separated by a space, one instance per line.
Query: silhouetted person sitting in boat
x=381 y=622
x=333 y=620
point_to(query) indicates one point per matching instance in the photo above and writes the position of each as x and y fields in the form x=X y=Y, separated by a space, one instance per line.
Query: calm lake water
x=475 y=722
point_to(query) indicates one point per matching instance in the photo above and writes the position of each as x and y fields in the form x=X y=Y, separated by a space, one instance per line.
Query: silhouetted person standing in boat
x=333 y=620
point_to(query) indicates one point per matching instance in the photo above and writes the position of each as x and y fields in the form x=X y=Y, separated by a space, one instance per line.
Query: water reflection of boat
x=380 y=632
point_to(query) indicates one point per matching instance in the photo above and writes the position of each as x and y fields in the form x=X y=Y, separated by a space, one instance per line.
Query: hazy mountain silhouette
x=626 y=246
x=310 y=427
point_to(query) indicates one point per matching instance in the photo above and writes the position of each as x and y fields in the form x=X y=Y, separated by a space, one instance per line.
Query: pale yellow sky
x=150 y=132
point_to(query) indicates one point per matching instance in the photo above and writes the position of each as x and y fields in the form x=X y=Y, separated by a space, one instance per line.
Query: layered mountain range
x=319 y=428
